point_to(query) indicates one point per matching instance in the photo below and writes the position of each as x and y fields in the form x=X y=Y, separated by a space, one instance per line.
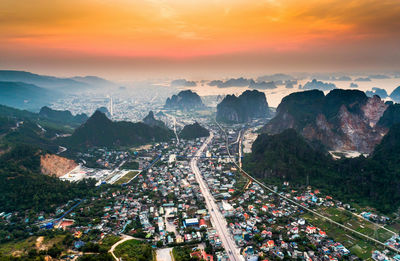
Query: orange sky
x=177 y=35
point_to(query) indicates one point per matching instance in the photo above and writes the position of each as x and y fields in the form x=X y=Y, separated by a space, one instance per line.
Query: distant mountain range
x=66 y=85
x=98 y=130
x=250 y=104
x=276 y=77
x=183 y=82
x=243 y=82
x=25 y=96
x=239 y=82
x=25 y=90
x=318 y=85
x=341 y=120
x=184 y=100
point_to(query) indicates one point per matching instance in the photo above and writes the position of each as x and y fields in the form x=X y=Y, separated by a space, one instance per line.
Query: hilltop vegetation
x=98 y=130
x=372 y=181
x=193 y=131
x=62 y=116
x=24 y=127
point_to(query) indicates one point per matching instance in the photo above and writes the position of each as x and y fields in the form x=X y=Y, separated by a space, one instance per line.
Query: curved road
x=217 y=218
x=124 y=238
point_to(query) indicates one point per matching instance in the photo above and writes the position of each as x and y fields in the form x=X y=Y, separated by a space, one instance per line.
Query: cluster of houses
x=103 y=157
x=374 y=217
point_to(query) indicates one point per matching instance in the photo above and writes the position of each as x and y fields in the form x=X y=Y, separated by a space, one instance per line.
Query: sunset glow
x=186 y=30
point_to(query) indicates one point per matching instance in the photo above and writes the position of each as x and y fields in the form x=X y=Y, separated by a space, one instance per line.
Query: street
x=217 y=218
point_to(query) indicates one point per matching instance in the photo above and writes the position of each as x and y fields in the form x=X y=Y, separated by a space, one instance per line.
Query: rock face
x=51 y=164
x=250 y=104
x=341 y=120
x=184 y=100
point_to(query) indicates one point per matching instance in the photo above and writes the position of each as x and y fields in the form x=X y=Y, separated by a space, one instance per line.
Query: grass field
x=134 y=250
x=128 y=176
x=356 y=244
x=109 y=240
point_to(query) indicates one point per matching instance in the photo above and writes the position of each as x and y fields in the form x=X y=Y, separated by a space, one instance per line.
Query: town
x=154 y=195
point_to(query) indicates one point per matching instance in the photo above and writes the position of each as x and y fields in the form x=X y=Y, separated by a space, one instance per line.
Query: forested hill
x=98 y=130
x=193 y=131
x=23 y=186
x=24 y=127
x=62 y=116
x=373 y=181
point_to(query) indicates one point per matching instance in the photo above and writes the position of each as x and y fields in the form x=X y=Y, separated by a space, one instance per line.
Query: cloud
x=224 y=32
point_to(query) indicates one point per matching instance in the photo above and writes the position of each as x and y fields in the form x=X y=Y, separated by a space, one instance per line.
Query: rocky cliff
x=51 y=164
x=250 y=104
x=341 y=120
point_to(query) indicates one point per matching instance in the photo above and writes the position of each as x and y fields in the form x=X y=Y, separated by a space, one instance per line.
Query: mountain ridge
x=250 y=104
x=341 y=120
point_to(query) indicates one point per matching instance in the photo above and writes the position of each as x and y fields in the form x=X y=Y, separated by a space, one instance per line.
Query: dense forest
x=24 y=187
x=373 y=181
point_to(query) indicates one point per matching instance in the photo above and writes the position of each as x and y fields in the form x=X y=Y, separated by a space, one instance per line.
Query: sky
x=143 y=38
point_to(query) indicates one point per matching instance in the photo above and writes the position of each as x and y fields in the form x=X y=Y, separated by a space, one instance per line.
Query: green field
x=128 y=176
x=356 y=244
x=134 y=250
x=109 y=240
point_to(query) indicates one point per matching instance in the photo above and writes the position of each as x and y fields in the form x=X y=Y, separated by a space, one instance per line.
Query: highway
x=301 y=206
x=217 y=218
